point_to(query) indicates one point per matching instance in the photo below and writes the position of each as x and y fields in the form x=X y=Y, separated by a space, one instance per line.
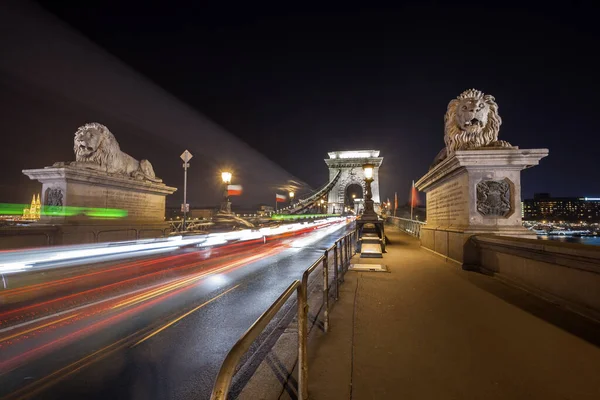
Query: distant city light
x=591 y=198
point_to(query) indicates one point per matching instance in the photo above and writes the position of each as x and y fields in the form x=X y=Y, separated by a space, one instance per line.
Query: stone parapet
x=473 y=192
x=65 y=187
x=565 y=273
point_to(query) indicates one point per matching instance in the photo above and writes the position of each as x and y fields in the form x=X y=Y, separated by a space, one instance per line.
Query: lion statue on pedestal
x=471 y=122
x=96 y=148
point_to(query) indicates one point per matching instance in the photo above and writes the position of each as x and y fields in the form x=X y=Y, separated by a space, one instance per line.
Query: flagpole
x=412 y=199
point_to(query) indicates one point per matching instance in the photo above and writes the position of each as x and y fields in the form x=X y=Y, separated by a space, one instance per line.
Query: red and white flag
x=234 y=190
x=279 y=198
x=414 y=196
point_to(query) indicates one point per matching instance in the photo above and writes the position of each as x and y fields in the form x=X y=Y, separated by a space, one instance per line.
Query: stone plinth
x=68 y=193
x=473 y=192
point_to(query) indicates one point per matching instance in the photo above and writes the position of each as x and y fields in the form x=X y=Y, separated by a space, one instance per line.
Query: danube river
x=593 y=240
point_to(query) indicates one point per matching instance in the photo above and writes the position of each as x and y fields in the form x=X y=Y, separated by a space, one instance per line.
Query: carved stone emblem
x=493 y=198
x=54 y=197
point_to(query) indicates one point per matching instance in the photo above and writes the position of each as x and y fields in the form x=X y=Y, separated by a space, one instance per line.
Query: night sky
x=297 y=82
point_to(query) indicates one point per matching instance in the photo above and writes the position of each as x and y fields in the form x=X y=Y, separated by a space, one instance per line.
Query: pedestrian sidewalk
x=429 y=330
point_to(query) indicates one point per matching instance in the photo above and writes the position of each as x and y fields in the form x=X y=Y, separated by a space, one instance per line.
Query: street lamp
x=226 y=205
x=226 y=177
x=369 y=211
x=292 y=194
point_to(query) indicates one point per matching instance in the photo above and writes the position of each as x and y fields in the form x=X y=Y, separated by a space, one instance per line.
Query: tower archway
x=354 y=196
x=350 y=164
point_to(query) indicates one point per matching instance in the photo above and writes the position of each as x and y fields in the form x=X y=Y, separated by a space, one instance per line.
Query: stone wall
x=565 y=273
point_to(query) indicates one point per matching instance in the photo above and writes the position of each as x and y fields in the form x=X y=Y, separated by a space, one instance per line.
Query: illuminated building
x=34 y=210
x=543 y=207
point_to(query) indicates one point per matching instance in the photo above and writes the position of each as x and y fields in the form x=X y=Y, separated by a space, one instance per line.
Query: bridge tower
x=350 y=163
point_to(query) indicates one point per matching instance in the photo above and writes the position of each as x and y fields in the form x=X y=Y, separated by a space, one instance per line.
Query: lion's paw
x=502 y=143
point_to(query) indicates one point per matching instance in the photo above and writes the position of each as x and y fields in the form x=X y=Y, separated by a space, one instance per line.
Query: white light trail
x=25 y=260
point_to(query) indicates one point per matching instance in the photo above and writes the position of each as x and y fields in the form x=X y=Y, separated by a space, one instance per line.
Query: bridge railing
x=409 y=226
x=342 y=252
x=190 y=225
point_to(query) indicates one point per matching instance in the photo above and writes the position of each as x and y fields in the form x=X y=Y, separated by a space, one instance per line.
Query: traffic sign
x=185 y=208
x=186 y=156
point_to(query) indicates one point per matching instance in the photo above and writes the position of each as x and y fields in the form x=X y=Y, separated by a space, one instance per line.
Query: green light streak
x=64 y=211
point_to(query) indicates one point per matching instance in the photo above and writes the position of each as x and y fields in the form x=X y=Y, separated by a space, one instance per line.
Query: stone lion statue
x=96 y=148
x=471 y=122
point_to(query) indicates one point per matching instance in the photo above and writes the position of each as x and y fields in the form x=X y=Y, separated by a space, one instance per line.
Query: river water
x=593 y=240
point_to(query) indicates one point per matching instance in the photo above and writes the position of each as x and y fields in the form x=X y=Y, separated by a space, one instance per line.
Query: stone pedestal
x=77 y=194
x=474 y=192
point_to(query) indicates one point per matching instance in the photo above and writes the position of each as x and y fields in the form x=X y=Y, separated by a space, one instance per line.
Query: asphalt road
x=162 y=340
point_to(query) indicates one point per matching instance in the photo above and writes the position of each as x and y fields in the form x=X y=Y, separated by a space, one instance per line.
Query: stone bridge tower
x=350 y=163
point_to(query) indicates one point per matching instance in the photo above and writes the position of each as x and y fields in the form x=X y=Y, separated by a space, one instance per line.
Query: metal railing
x=345 y=247
x=409 y=226
x=190 y=225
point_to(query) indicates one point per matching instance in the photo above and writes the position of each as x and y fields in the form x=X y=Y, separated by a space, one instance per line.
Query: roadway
x=153 y=327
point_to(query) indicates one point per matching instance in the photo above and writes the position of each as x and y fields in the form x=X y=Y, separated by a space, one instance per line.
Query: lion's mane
x=457 y=139
x=106 y=154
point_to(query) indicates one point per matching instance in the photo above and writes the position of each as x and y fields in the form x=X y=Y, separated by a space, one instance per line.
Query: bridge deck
x=429 y=330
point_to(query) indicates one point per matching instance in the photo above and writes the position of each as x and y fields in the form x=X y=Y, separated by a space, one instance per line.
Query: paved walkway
x=429 y=330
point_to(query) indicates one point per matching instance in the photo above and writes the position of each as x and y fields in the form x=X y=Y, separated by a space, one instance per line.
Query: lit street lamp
x=292 y=194
x=226 y=205
x=369 y=211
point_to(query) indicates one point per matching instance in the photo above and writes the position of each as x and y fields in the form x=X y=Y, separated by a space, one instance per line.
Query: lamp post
x=292 y=194
x=185 y=207
x=226 y=204
x=369 y=211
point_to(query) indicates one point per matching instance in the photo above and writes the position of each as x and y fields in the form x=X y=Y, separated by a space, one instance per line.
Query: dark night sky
x=296 y=83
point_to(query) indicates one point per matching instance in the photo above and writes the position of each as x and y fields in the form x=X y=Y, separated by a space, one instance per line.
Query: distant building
x=175 y=213
x=33 y=212
x=543 y=207
x=201 y=213
x=265 y=211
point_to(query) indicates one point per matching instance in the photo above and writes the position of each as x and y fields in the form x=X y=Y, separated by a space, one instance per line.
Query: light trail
x=110 y=295
x=25 y=332
x=22 y=261
x=101 y=289
x=138 y=303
